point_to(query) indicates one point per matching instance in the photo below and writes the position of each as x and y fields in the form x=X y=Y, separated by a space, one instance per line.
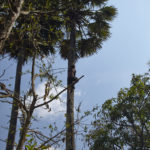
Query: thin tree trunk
x=14 y=112
x=25 y=128
x=23 y=133
x=70 y=140
x=29 y=114
x=14 y=13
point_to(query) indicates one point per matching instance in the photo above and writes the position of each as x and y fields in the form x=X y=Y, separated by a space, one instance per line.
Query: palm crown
x=92 y=26
x=38 y=32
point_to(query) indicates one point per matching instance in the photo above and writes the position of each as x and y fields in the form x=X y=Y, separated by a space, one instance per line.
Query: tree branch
x=10 y=22
x=55 y=97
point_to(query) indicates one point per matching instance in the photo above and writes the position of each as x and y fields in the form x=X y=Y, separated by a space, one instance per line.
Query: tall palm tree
x=32 y=34
x=87 y=22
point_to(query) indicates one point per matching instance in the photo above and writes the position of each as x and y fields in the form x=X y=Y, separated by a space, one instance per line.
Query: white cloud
x=78 y=93
x=56 y=107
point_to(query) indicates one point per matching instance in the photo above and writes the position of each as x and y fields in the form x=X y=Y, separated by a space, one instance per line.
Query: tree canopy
x=92 y=26
x=124 y=122
x=36 y=31
x=33 y=28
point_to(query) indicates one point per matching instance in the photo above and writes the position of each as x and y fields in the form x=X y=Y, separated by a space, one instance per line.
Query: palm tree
x=87 y=22
x=32 y=35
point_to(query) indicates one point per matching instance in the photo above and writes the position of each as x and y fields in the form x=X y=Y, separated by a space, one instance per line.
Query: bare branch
x=5 y=95
x=50 y=139
x=6 y=101
x=3 y=73
x=55 y=97
x=3 y=140
x=9 y=94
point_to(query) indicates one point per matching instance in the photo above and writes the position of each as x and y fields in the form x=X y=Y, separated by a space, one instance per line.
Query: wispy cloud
x=78 y=93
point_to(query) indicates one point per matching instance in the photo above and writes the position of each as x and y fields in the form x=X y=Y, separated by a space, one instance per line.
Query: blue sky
x=126 y=52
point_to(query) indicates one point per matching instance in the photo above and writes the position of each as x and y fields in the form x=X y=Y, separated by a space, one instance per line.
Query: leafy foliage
x=92 y=26
x=36 y=32
x=124 y=121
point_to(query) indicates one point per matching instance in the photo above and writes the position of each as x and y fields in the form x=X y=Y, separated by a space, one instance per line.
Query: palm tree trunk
x=70 y=140
x=14 y=112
